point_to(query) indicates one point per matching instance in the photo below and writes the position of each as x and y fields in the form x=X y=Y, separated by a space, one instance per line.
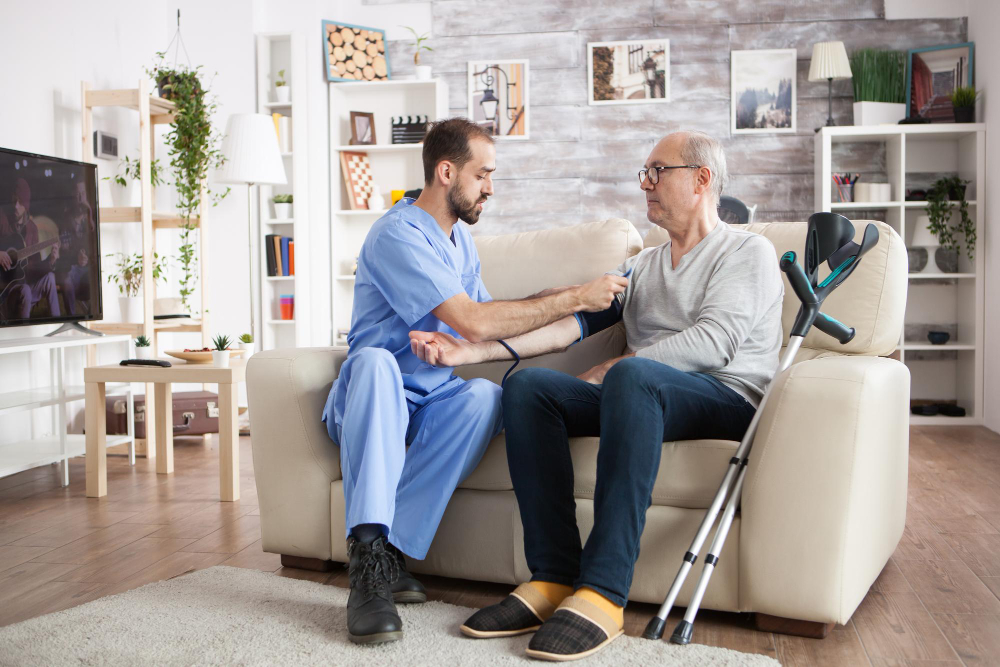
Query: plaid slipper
x=521 y=612
x=578 y=629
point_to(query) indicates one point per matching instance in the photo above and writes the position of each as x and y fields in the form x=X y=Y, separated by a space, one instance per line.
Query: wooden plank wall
x=580 y=162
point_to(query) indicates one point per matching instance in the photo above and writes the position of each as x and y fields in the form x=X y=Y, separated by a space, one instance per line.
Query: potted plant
x=879 y=80
x=963 y=99
x=246 y=343
x=941 y=200
x=282 y=91
x=194 y=149
x=282 y=206
x=220 y=354
x=128 y=277
x=423 y=71
x=129 y=171
x=143 y=349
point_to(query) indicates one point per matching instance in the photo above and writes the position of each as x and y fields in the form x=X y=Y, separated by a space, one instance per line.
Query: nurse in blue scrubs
x=410 y=432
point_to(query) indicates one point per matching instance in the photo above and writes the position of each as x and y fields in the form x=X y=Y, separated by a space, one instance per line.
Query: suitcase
x=195 y=413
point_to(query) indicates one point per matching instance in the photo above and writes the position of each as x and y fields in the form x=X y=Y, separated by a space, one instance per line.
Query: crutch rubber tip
x=654 y=629
x=682 y=633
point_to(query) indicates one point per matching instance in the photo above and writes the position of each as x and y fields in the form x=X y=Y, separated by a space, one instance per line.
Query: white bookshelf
x=284 y=51
x=394 y=166
x=915 y=155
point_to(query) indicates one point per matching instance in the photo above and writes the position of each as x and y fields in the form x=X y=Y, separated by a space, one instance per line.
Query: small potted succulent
x=220 y=354
x=246 y=343
x=423 y=71
x=282 y=91
x=282 y=207
x=963 y=99
x=143 y=349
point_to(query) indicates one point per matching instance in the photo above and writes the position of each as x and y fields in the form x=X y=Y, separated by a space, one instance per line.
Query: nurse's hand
x=598 y=294
x=440 y=349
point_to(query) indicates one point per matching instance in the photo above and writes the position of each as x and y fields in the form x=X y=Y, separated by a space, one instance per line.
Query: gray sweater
x=718 y=312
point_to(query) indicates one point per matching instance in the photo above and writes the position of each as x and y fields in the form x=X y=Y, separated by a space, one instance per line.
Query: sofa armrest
x=825 y=496
x=294 y=459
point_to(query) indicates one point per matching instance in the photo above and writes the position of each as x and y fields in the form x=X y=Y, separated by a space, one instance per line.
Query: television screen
x=50 y=262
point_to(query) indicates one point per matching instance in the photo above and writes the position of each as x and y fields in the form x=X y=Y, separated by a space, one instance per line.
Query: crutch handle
x=832 y=327
x=797 y=278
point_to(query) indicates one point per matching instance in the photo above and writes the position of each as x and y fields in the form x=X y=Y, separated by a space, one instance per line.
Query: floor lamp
x=252 y=158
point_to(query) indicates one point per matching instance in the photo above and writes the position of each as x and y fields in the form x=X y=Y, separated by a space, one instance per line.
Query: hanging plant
x=940 y=206
x=194 y=148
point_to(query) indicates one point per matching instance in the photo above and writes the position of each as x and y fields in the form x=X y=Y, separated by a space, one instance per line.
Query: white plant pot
x=283 y=94
x=144 y=352
x=220 y=358
x=131 y=307
x=423 y=72
x=282 y=211
x=878 y=113
x=249 y=347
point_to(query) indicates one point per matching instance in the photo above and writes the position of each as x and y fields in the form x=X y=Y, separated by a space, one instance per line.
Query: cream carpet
x=234 y=616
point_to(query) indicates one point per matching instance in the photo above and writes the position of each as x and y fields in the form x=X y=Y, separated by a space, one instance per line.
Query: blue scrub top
x=408 y=267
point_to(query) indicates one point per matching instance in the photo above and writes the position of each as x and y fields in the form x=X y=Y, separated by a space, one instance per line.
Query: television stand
x=74 y=327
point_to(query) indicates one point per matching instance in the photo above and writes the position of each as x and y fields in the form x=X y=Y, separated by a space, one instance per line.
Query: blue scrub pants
x=402 y=460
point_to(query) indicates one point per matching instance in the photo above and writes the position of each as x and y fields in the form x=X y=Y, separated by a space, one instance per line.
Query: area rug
x=235 y=616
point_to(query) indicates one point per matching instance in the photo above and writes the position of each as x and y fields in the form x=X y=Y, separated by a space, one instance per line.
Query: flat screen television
x=50 y=261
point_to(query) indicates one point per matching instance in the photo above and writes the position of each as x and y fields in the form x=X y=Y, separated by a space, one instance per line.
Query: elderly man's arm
x=441 y=349
x=738 y=294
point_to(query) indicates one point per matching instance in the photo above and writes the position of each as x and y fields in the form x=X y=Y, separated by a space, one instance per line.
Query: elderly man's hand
x=440 y=349
x=596 y=374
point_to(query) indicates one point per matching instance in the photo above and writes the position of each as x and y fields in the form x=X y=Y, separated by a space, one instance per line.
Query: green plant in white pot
x=879 y=79
x=282 y=207
x=220 y=351
x=143 y=348
x=282 y=91
x=246 y=342
x=423 y=71
x=128 y=277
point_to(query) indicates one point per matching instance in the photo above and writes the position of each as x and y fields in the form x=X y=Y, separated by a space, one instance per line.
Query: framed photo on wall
x=628 y=72
x=762 y=96
x=362 y=128
x=498 y=97
x=354 y=52
x=932 y=73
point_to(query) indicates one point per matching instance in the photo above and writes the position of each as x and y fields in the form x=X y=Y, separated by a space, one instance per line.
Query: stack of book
x=409 y=129
x=280 y=255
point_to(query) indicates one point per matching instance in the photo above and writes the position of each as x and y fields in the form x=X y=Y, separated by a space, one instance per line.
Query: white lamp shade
x=922 y=235
x=251 y=150
x=829 y=61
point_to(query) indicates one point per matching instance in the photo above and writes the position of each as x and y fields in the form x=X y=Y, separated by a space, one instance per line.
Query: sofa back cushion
x=872 y=300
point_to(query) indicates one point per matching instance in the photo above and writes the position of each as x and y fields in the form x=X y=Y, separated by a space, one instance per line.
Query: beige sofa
x=825 y=495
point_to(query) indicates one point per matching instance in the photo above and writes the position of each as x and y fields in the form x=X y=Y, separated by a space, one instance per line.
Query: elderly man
x=702 y=316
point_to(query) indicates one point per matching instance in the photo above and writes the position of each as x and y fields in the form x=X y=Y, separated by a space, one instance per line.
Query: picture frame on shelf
x=763 y=91
x=354 y=52
x=357 y=174
x=498 y=97
x=635 y=71
x=928 y=71
x=362 y=128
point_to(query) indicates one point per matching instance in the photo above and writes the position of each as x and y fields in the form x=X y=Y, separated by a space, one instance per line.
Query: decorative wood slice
x=338 y=54
x=360 y=59
x=329 y=48
x=351 y=66
x=371 y=50
x=359 y=42
x=341 y=68
x=357 y=31
x=336 y=38
x=347 y=34
x=331 y=28
x=349 y=50
x=363 y=34
x=380 y=46
x=379 y=66
x=369 y=72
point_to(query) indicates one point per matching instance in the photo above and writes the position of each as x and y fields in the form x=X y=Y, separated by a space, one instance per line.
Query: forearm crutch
x=829 y=238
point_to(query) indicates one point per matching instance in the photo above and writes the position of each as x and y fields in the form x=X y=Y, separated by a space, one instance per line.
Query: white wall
x=984 y=22
x=929 y=9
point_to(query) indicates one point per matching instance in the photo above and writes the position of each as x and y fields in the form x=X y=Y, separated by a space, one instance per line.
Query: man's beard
x=462 y=208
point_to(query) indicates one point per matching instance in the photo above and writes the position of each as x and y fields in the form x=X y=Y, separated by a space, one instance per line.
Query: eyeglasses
x=653 y=173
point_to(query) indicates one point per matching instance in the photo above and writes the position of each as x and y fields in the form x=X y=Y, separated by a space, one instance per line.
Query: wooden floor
x=934 y=604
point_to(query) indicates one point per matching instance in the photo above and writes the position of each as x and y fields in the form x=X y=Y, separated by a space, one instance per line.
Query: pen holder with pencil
x=843 y=192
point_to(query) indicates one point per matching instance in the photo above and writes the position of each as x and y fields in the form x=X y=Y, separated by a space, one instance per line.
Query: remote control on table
x=145 y=362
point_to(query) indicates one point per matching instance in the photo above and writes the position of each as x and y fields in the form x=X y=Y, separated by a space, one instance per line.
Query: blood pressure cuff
x=591 y=323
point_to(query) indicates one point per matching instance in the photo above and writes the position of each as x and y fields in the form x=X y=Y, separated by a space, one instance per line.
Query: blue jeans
x=641 y=405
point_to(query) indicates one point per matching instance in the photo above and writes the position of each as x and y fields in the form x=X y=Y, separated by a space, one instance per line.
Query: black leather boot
x=371 y=614
x=405 y=587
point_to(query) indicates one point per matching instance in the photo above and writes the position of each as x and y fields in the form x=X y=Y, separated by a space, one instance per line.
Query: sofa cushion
x=872 y=300
x=689 y=475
